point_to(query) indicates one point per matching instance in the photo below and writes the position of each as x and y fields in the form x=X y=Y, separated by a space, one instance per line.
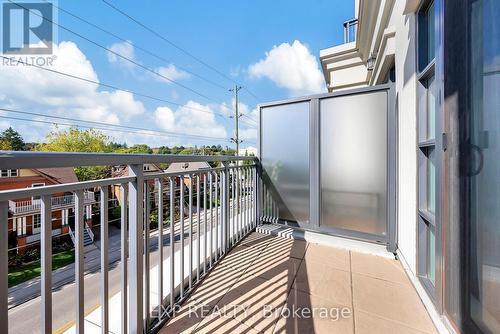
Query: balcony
x=261 y=282
x=58 y=202
x=350 y=30
x=153 y=274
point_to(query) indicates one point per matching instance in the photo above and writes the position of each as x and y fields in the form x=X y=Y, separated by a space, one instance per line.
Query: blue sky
x=236 y=37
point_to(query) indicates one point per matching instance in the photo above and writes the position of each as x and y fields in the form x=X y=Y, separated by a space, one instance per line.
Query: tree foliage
x=136 y=149
x=12 y=140
x=76 y=140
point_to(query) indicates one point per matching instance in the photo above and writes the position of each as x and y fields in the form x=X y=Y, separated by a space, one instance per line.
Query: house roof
x=177 y=167
x=60 y=175
x=120 y=171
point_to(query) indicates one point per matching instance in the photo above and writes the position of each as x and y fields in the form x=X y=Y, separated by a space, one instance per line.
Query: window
x=428 y=155
x=9 y=173
x=426 y=35
x=35 y=185
x=482 y=152
x=37 y=223
x=21 y=225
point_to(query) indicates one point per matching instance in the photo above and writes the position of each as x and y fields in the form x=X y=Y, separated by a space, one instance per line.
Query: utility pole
x=236 y=138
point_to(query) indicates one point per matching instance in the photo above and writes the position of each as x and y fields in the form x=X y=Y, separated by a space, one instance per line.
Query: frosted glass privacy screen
x=353 y=162
x=285 y=158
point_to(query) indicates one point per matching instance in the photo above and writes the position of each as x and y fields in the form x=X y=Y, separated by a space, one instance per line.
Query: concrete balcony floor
x=274 y=285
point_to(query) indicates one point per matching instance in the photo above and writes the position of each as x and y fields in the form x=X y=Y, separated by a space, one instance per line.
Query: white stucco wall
x=406 y=81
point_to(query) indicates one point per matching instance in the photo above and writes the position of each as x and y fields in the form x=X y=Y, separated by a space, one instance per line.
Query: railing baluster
x=159 y=186
x=104 y=261
x=236 y=204
x=210 y=186
x=247 y=220
x=181 y=233
x=147 y=222
x=46 y=264
x=216 y=191
x=233 y=204
x=136 y=246
x=198 y=227
x=79 y=262
x=172 y=241
x=123 y=255
x=247 y=197
x=252 y=197
x=190 y=231
x=205 y=222
x=4 y=267
x=240 y=212
x=225 y=208
x=255 y=192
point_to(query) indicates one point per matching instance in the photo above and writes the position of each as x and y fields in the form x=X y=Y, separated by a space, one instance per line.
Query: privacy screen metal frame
x=315 y=160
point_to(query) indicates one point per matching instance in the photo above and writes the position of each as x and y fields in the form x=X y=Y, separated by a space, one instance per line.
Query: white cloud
x=31 y=89
x=192 y=118
x=171 y=72
x=292 y=67
x=124 y=49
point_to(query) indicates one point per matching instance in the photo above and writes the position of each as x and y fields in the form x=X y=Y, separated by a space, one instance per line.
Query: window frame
x=36 y=230
x=35 y=185
x=426 y=220
x=9 y=173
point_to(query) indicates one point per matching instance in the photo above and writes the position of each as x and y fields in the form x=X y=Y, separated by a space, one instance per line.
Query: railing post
x=258 y=193
x=4 y=266
x=104 y=261
x=136 y=201
x=123 y=255
x=79 y=263
x=46 y=264
x=225 y=203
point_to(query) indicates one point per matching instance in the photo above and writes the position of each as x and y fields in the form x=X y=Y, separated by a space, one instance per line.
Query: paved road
x=25 y=318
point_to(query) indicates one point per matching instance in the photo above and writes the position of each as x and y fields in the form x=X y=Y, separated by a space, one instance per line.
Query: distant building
x=248 y=151
x=24 y=222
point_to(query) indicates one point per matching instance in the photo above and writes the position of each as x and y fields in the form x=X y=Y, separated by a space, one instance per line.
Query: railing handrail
x=20 y=160
x=347 y=32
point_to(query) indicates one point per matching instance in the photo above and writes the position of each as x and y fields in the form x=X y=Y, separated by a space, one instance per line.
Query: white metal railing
x=57 y=202
x=350 y=30
x=228 y=205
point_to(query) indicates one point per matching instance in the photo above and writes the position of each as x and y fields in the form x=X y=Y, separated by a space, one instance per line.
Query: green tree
x=13 y=138
x=164 y=150
x=136 y=149
x=5 y=145
x=76 y=140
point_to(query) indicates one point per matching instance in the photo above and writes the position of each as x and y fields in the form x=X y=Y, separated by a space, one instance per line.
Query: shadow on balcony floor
x=277 y=285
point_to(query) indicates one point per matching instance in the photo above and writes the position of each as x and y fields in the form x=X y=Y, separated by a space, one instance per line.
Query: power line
x=177 y=46
x=109 y=124
x=250 y=118
x=117 y=54
x=115 y=87
x=138 y=47
x=147 y=132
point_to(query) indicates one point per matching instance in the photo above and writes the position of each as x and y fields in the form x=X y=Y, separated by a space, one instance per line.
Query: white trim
x=9 y=173
x=437 y=319
x=37 y=229
x=36 y=185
